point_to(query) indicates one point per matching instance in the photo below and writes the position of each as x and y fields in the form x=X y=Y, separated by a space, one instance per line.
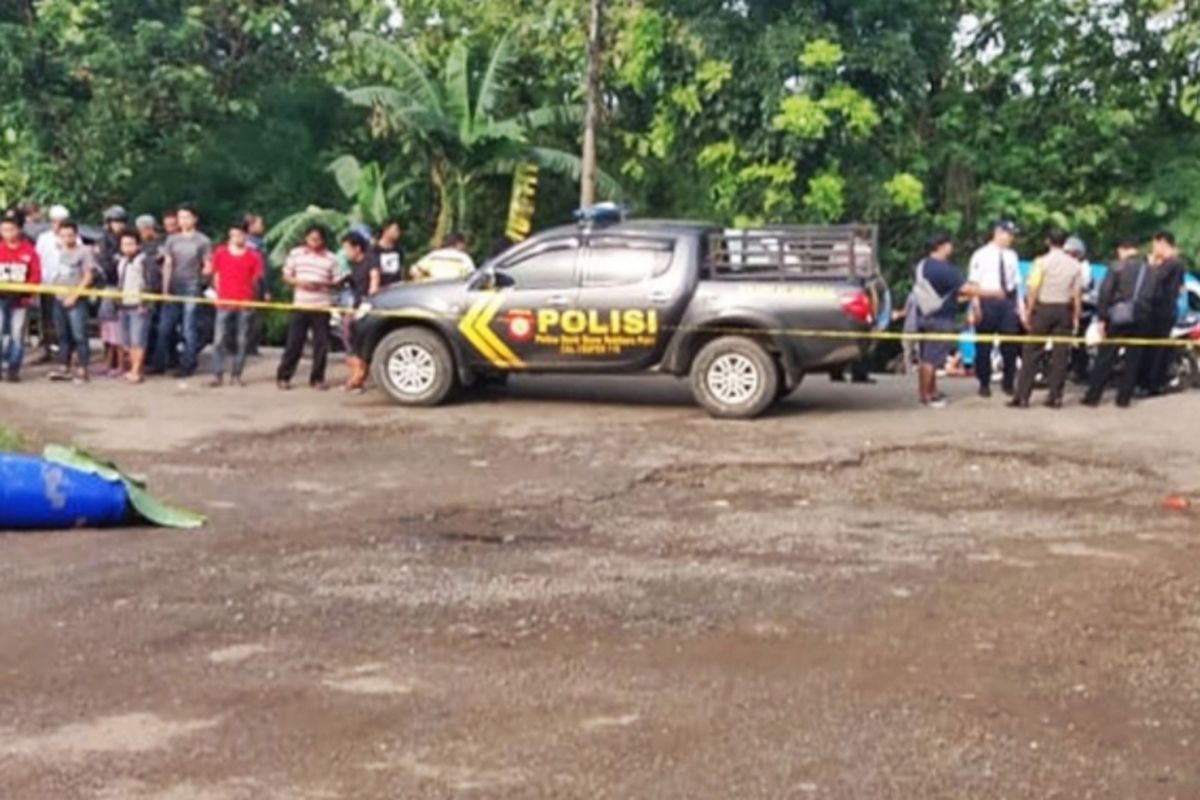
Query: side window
x=616 y=263
x=550 y=268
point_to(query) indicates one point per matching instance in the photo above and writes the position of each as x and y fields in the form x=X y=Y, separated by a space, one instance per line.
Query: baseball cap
x=115 y=213
x=58 y=213
x=145 y=222
x=1075 y=245
x=14 y=216
x=1006 y=225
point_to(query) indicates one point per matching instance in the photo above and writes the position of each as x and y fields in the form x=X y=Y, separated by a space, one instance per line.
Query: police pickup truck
x=689 y=299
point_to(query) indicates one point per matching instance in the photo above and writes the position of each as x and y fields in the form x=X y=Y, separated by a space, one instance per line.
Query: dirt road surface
x=588 y=589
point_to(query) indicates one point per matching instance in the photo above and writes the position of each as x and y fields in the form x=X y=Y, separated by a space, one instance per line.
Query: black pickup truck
x=680 y=298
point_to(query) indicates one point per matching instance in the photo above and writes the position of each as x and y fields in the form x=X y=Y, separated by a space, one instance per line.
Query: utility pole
x=587 y=182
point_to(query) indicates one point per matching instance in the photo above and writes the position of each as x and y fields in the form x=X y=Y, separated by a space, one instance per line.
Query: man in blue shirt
x=949 y=283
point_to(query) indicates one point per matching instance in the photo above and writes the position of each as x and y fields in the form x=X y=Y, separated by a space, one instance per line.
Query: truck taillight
x=1194 y=334
x=858 y=307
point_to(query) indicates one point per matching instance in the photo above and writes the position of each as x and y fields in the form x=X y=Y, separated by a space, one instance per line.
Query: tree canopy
x=1082 y=114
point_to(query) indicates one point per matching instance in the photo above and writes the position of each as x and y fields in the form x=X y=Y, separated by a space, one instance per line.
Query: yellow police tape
x=803 y=333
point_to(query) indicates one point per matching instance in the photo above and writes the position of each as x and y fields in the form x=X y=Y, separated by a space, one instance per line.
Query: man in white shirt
x=47 y=250
x=993 y=268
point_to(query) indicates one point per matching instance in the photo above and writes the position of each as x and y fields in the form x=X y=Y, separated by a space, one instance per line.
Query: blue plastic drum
x=39 y=494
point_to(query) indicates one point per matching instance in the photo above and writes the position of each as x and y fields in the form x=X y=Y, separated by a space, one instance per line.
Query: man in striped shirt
x=311 y=271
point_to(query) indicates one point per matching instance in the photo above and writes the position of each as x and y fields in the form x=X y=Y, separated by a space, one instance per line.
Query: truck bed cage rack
x=786 y=252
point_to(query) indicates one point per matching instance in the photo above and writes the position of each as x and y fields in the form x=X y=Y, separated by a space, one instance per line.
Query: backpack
x=928 y=300
x=1124 y=313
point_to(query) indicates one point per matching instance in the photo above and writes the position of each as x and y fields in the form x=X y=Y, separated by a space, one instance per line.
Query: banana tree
x=455 y=119
x=374 y=194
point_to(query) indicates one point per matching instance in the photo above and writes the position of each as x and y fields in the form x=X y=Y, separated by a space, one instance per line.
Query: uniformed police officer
x=1055 y=307
x=993 y=268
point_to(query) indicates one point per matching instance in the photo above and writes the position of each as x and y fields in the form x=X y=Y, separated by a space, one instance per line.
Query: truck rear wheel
x=734 y=377
x=414 y=366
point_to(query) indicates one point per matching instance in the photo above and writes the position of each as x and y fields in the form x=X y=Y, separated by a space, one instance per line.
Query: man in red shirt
x=19 y=263
x=237 y=270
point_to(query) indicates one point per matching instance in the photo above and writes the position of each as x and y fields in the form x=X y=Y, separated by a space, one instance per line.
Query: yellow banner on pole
x=522 y=204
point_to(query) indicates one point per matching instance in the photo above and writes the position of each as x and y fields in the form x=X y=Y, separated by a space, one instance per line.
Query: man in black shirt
x=389 y=253
x=365 y=279
x=1166 y=276
x=1124 y=307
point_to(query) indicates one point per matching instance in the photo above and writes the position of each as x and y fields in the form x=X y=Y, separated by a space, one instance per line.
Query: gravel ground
x=587 y=589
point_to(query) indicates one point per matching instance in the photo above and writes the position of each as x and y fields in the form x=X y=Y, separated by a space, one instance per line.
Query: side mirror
x=483 y=279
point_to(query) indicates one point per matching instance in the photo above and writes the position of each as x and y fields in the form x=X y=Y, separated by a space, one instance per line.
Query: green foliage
x=909 y=113
x=801 y=116
x=11 y=441
x=826 y=199
x=821 y=54
x=906 y=192
x=857 y=111
x=455 y=119
x=639 y=47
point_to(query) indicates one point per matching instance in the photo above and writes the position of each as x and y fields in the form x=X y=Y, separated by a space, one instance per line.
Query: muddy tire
x=734 y=377
x=414 y=366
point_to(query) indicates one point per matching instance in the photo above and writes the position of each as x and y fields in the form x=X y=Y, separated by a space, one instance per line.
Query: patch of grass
x=11 y=440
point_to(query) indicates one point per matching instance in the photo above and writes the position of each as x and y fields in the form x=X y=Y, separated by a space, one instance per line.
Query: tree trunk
x=461 y=183
x=445 y=215
x=587 y=182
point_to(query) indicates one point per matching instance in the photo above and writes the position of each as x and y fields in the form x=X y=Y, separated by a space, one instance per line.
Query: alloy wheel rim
x=733 y=378
x=411 y=369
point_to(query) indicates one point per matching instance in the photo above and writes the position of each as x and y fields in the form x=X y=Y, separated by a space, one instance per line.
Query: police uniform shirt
x=1056 y=277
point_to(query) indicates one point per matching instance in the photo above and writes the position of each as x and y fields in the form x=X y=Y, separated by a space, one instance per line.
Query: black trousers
x=1106 y=362
x=1048 y=320
x=1156 y=361
x=297 y=334
x=998 y=316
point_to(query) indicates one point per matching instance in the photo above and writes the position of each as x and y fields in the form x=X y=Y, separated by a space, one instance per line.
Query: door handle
x=659 y=298
x=558 y=301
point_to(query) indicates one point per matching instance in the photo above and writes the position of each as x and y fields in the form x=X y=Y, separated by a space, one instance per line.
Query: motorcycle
x=1184 y=370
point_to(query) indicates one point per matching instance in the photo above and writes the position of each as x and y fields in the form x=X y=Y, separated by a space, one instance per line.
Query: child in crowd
x=133 y=313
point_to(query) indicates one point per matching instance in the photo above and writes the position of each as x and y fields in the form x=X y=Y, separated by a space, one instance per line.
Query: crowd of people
x=1136 y=301
x=142 y=336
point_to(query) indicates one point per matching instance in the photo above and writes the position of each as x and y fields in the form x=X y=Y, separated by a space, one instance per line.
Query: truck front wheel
x=734 y=377
x=414 y=366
